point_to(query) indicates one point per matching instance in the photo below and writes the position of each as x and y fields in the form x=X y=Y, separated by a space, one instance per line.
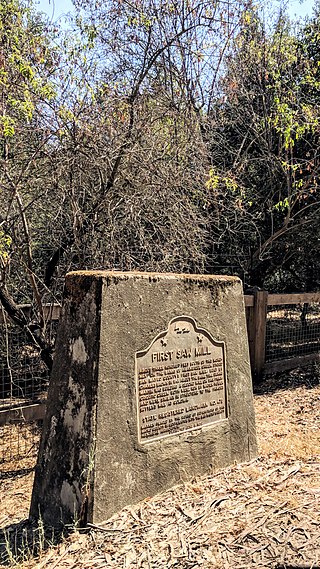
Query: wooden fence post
x=257 y=324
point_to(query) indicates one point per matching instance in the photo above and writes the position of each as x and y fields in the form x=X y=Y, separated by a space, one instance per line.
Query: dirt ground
x=265 y=513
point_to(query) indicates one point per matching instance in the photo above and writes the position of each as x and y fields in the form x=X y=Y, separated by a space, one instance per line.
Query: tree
x=267 y=123
x=26 y=64
x=105 y=162
x=139 y=142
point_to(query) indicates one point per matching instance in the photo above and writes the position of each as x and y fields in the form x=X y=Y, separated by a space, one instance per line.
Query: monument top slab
x=125 y=275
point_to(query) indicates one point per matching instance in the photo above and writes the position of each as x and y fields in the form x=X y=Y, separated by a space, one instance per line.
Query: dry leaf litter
x=264 y=513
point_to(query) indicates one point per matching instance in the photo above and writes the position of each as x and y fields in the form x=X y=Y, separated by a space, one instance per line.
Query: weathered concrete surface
x=90 y=462
x=63 y=473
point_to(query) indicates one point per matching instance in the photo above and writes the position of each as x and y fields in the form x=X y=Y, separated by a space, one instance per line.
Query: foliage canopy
x=171 y=136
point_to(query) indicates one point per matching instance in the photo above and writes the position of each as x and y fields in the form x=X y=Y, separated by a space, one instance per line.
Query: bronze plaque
x=180 y=381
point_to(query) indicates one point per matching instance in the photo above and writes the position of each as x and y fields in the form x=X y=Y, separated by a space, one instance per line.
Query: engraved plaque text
x=180 y=381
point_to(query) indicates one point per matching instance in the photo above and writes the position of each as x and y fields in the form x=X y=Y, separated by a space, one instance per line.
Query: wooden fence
x=267 y=316
x=300 y=312
x=24 y=378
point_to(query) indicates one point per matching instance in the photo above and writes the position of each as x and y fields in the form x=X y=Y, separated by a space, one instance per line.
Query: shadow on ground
x=15 y=473
x=308 y=377
x=23 y=540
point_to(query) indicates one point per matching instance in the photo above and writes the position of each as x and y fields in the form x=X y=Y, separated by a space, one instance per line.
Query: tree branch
x=18 y=317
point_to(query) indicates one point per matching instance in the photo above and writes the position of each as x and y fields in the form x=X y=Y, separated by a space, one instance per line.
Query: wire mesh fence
x=19 y=445
x=24 y=381
x=292 y=330
x=289 y=331
x=23 y=375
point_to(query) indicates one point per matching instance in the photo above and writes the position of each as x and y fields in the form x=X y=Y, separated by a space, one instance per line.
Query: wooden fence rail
x=256 y=312
x=256 y=305
x=50 y=311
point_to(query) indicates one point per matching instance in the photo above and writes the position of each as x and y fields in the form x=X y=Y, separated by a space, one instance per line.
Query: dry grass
x=265 y=513
x=18 y=452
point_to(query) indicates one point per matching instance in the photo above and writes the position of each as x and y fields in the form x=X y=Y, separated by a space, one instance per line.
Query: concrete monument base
x=150 y=386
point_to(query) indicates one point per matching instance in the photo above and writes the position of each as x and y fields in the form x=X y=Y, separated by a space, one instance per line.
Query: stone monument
x=150 y=386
